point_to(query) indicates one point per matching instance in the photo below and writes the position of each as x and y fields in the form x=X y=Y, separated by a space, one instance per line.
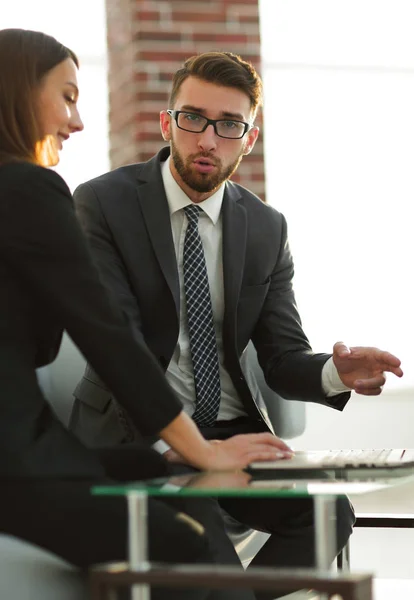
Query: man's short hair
x=222 y=68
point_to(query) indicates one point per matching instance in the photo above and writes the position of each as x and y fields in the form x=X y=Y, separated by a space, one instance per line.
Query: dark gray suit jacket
x=126 y=219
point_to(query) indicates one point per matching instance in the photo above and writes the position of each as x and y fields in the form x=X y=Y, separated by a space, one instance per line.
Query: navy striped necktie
x=203 y=344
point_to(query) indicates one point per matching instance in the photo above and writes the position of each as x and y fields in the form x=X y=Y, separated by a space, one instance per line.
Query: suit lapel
x=157 y=219
x=234 y=248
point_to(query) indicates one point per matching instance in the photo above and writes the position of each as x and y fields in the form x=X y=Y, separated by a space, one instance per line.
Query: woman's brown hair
x=222 y=68
x=25 y=58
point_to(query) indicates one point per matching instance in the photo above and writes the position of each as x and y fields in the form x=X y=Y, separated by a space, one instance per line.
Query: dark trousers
x=63 y=517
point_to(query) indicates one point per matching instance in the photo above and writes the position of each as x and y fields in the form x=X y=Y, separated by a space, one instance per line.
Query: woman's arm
x=41 y=241
x=235 y=453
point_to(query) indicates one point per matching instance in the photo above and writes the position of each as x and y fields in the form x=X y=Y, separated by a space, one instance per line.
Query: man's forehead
x=206 y=97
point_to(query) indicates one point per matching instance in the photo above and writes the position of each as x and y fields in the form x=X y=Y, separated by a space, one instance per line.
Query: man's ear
x=165 y=125
x=251 y=137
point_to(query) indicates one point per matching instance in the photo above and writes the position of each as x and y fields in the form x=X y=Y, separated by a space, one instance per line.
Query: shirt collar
x=177 y=199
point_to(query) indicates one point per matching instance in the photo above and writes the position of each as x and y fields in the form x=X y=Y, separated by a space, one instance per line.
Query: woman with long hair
x=49 y=284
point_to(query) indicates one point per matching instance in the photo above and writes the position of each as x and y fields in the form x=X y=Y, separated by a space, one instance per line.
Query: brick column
x=148 y=40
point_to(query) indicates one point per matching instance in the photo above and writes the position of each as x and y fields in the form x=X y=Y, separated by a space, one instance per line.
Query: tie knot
x=192 y=211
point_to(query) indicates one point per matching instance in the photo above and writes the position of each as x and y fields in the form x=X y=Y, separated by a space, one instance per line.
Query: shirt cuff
x=161 y=447
x=331 y=382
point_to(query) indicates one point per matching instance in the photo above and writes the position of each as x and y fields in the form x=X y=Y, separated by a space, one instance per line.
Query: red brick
x=151 y=96
x=163 y=55
x=147 y=42
x=147 y=15
x=159 y=36
x=148 y=136
x=247 y=19
x=165 y=76
x=224 y=38
x=194 y=17
x=141 y=76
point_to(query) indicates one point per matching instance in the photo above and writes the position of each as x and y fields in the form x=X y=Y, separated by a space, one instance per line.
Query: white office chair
x=29 y=573
x=288 y=418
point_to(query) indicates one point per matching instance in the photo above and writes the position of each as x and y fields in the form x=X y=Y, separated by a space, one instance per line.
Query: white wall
x=80 y=25
x=339 y=147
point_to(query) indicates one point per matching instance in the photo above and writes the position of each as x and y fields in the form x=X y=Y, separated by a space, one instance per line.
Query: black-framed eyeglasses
x=224 y=128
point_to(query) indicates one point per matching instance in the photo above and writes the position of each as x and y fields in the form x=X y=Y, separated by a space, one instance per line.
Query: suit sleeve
x=111 y=268
x=290 y=366
x=112 y=273
x=42 y=242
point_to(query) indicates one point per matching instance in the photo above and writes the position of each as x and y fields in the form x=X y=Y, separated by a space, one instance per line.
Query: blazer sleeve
x=111 y=268
x=290 y=366
x=42 y=242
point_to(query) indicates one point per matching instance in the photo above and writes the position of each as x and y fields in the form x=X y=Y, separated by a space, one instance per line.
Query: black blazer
x=48 y=283
x=126 y=219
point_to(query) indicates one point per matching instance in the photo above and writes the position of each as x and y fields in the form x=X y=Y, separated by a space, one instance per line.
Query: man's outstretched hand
x=363 y=369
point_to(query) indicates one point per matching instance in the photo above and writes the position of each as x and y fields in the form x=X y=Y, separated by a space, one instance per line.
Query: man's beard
x=202 y=182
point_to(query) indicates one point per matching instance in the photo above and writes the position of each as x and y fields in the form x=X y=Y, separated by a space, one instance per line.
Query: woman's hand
x=189 y=446
x=240 y=450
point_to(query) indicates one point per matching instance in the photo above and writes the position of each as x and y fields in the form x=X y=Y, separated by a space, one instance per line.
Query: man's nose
x=207 y=140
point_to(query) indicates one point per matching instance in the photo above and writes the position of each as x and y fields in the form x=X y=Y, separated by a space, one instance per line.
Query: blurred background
x=336 y=157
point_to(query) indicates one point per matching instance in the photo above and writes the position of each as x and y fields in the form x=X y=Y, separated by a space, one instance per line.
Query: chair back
x=288 y=417
x=59 y=379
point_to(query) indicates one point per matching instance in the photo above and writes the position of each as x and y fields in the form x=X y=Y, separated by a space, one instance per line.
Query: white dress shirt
x=180 y=370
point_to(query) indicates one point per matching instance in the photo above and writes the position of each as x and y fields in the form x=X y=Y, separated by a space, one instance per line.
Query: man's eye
x=191 y=117
x=230 y=124
x=70 y=99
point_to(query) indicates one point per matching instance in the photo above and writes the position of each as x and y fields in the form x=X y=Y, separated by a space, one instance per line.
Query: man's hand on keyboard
x=363 y=368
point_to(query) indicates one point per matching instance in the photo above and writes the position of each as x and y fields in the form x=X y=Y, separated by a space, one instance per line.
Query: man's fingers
x=370 y=387
x=390 y=363
x=390 y=359
x=373 y=382
x=383 y=360
x=396 y=370
x=341 y=349
x=369 y=392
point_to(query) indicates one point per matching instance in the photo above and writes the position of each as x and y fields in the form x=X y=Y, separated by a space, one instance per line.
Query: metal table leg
x=138 y=540
x=325 y=532
x=325 y=536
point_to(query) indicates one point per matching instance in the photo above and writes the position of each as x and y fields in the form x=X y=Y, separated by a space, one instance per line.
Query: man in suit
x=201 y=267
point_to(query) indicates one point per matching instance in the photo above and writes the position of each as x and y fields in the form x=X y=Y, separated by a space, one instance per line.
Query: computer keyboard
x=366 y=457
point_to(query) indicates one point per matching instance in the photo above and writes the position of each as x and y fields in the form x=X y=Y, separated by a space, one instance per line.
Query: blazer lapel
x=234 y=248
x=157 y=219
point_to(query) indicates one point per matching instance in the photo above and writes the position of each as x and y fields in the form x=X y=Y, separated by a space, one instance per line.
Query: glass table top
x=246 y=484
